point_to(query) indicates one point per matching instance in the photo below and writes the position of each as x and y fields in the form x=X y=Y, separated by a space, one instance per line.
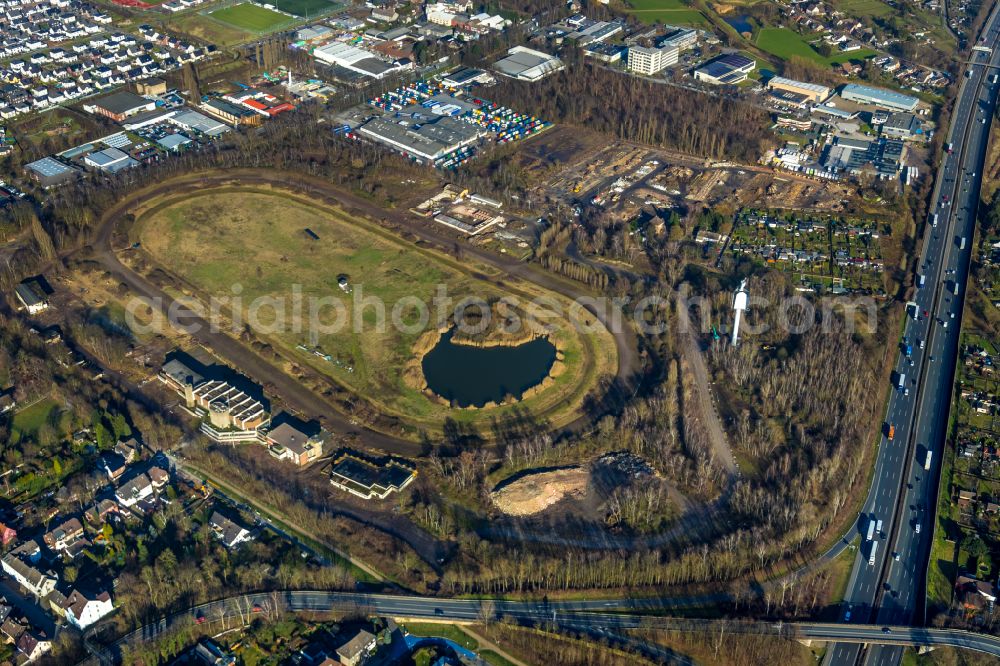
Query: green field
x=256 y=239
x=28 y=421
x=250 y=17
x=646 y=5
x=667 y=13
x=304 y=8
x=786 y=43
x=873 y=8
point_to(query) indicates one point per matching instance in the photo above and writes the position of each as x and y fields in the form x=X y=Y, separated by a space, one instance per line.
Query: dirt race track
x=296 y=396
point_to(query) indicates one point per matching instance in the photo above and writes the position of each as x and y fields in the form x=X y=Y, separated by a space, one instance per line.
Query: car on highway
x=847 y=615
x=895 y=555
x=916 y=528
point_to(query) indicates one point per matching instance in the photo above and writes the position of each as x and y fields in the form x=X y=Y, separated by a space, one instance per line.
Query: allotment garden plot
x=823 y=252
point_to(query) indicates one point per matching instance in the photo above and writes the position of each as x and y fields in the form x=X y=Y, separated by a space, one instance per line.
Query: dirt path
x=487 y=644
x=293 y=393
x=696 y=362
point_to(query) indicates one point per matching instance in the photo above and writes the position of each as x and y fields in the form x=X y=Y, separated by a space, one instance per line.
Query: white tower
x=739 y=305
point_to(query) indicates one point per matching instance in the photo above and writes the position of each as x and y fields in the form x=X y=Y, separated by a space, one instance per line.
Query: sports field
x=257 y=239
x=786 y=43
x=250 y=17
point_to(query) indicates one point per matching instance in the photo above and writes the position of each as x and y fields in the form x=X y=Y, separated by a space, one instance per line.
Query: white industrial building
x=649 y=61
x=527 y=64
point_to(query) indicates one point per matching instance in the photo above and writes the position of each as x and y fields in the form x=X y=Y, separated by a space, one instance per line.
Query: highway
x=891 y=589
x=590 y=616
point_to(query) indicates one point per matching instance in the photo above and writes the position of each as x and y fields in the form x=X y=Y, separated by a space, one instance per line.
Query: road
x=891 y=590
x=593 y=617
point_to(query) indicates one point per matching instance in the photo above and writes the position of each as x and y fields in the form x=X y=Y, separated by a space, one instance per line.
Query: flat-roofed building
x=231 y=113
x=680 y=38
x=728 y=69
x=367 y=479
x=49 y=171
x=120 y=105
x=812 y=91
x=887 y=99
x=428 y=141
x=526 y=64
x=648 y=61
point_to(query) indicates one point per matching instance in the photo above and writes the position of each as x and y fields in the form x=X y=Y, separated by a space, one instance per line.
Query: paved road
x=593 y=617
x=891 y=590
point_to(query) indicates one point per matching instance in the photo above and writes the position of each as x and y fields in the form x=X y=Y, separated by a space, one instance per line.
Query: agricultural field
x=673 y=12
x=205 y=28
x=257 y=239
x=251 y=18
x=825 y=252
x=785 y=43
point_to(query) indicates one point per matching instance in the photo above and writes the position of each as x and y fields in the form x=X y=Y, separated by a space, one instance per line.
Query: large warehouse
x=886 y=99
x=527 y=64
x=812 y=91
x=728 y=69
x=426 y=141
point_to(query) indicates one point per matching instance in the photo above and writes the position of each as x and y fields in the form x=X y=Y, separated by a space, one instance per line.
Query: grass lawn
x=224 y=237
x=681 y=16
x=27 y=422
x=495 y=659
x=657 y=4
x=304 y=8
x=250 y=17
x=786 y=43
x=873 y=8
x=449 y=631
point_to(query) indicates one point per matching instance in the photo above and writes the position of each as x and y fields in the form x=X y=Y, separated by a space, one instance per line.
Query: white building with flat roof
x=649 y=61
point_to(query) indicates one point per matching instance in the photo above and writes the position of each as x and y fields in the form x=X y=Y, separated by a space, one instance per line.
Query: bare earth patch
x=534 y=492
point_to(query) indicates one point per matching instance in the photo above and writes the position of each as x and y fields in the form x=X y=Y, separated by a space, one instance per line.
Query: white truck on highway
x=872 y=552
x=871 y=528
x=878 y=529
x=927 y=460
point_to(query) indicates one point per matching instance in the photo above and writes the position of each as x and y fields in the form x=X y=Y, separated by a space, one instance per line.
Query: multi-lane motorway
x=891 y=589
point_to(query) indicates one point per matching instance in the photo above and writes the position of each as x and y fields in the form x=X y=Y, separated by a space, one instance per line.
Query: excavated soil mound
x=534 y=492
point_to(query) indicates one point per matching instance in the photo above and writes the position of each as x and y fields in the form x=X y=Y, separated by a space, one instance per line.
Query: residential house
x=974 y=594
x=230 y=533
x=27 y=576
x=83 y=610
x=134 y=490
x=64 y=535
x=286 y=442
x=7 y=401
x=356 y=650
x=7 y=534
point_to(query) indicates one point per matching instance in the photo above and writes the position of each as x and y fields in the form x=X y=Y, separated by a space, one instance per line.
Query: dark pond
x=740 y=23
x=477 y=375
